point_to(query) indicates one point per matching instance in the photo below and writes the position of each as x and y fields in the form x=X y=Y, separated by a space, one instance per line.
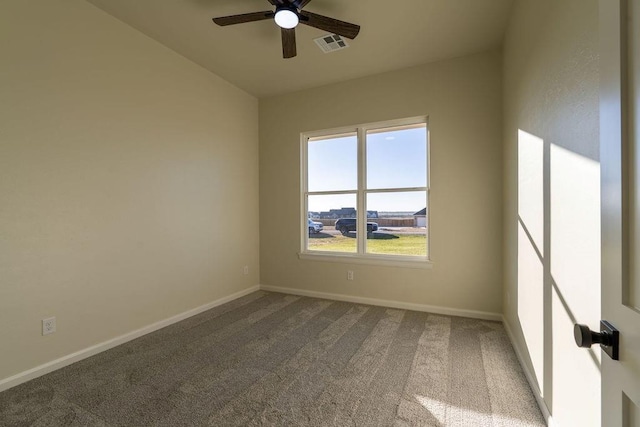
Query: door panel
x=620 y=159
x=631 y=413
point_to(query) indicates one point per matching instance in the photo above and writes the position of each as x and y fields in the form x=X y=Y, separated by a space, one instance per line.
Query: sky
x=395 y=158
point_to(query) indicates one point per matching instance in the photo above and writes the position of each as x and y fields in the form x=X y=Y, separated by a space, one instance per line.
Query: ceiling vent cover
x=331 y=43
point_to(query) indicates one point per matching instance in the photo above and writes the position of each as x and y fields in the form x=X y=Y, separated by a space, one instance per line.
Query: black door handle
x=608 y=337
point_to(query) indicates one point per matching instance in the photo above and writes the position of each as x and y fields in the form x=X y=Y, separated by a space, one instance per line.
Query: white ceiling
x=394 y=35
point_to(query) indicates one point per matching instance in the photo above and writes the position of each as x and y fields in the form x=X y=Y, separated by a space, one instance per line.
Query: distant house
x=344 y=213
x=420 y=218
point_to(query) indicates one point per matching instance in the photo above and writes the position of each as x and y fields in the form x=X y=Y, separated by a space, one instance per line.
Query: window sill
x=380 y=260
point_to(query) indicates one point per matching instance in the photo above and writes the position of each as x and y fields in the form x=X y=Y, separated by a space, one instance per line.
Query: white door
x=620 y=168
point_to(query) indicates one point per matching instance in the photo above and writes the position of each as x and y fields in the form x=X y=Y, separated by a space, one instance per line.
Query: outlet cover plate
x=48 y=325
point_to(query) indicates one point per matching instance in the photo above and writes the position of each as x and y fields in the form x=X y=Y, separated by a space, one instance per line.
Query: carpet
x=282 y=360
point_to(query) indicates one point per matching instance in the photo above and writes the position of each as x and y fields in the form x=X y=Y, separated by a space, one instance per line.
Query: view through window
x=374 y=179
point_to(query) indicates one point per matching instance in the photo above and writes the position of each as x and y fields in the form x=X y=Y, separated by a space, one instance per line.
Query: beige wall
x=462 y=98
x=128 y=181
x=552 y=214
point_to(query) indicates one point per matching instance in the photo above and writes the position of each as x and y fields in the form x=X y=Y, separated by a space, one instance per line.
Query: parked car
x=315 y=227
x=345 y=225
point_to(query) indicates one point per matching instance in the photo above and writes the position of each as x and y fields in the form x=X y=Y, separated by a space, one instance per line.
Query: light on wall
x=286 y=18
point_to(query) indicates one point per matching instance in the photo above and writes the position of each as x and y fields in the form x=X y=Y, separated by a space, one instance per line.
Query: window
x=365 y=192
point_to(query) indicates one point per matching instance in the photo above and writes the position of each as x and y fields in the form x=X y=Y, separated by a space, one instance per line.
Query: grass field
x=406 y=244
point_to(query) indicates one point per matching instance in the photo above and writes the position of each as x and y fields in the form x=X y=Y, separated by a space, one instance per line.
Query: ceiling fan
x=287 y=16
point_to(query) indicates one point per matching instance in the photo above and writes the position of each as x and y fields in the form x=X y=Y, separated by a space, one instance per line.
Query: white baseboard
x=388 y=303
x=38 y=371
x=529 y=375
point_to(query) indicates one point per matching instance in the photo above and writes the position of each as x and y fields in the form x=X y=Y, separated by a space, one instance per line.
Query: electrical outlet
x=48 y=326
x=349 y=274
x=245 y=270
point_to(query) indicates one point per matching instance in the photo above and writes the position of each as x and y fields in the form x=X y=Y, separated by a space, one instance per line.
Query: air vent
x=331 y=43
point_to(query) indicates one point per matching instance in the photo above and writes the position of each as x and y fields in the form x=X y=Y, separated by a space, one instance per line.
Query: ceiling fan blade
x=300 y=3
x=245 y=17
x=334 y=26
x=288 y=43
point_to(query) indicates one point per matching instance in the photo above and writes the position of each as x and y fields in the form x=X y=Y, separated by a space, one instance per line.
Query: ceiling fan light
x=286 y=18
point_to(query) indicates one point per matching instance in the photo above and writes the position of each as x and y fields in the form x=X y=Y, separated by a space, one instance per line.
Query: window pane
x=326 y=210
x=397 y=157
x=333 y=163
x=402 y=223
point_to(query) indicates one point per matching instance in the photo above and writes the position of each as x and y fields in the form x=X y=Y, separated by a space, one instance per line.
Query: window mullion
x=396 y=190
x=328 y=193
x=362 y=185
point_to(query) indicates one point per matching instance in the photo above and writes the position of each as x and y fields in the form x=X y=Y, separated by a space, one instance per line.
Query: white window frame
x=361 y=256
